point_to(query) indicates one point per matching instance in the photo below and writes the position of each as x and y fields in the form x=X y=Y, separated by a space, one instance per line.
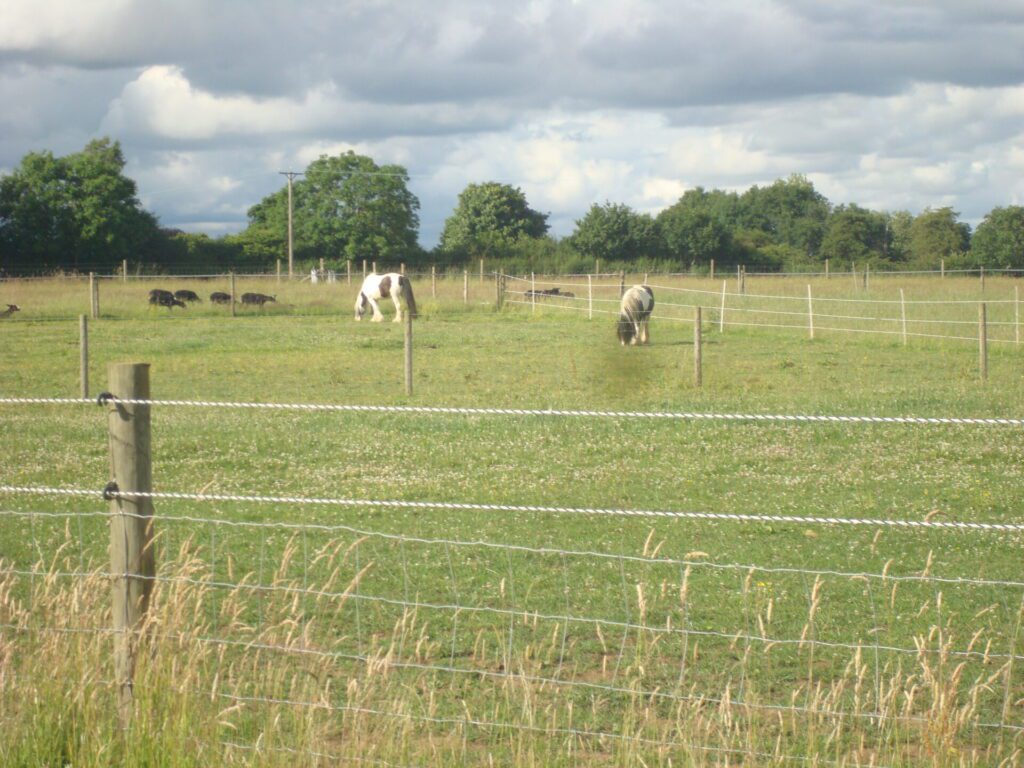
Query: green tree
x=75 y=212
x=791 y=210
x=695 y=228
x=489 y=219
x=900 y=225
x=344 y=207
x=855 y=234
x=615 y=232
x=999 y=239
x=937 y=234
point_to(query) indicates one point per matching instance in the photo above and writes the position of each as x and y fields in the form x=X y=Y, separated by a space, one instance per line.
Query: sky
x=890 y=105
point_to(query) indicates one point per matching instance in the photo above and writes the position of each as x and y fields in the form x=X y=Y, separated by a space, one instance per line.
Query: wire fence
x=490 y=642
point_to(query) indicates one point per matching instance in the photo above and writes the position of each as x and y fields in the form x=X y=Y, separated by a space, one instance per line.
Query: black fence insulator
x=105 y=397
x=110 y=490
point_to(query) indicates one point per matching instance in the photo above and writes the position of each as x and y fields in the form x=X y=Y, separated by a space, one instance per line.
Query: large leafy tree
x=615 y=232
x=855 y=234
x=791 y=210
x=74 y=212
x=696 y=229
x=937 y=234
x=999 y=239
x=345 y=206
x=490 y=218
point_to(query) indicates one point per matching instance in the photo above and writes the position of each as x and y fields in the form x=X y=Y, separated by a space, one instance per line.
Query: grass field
x=438 y=637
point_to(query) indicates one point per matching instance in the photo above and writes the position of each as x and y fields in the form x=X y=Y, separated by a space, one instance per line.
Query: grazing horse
x=379 y=287
x=11 y=309
x=634 y=312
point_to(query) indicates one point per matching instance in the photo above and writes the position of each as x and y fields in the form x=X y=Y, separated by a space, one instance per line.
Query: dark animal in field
x=394 y=286
x=161 y=298
x=219 y=297
x=11 y=309
x=634 y=313
x=257 y=299
x=184 y=295
x=548 y=293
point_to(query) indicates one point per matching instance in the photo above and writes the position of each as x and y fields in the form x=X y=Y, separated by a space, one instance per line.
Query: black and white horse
x=634 y=312
x=379 y=287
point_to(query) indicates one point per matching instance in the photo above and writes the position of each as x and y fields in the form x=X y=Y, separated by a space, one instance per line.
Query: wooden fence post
x=903 y=316
x=499 y=290
x=232 y=294
x=1016 y=314
x=982 y=342
x=465 y=286
x=348 y=270
x=533 y=292
x=853 y=274
x=942 y=268
x=743 y=280
x=433 y=281
x=364 y=269
x=826 y=269
x=94 y=296
x=83 y=354
x=590 y=298
x=481 y=270
x=810 y=312
x=375 y=267
x=721 y=312
x=867 y=276
x=982 y=274
x=697 y=351
x=408 y=351
x=401 y=268
x=278 y=271
x=323 y=272
x=622 y=283
x=132 y=560
x=597 y=267
x=124 y=270
x=711 y=274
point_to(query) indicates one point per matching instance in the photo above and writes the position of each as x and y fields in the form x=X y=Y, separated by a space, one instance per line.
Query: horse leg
x=398 y=306
x=377 y=315
x=644 y=338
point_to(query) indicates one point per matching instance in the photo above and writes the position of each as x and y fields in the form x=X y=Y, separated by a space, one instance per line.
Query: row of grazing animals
x=161 y=298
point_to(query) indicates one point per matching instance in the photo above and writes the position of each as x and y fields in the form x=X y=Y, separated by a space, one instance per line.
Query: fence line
x=556 y=412
x=737 y=517
x=650 y=560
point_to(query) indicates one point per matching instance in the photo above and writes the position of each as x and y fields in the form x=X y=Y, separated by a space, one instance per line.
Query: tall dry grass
x=286 y=672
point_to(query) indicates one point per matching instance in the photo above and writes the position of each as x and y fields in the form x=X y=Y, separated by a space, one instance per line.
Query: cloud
x=889 y=105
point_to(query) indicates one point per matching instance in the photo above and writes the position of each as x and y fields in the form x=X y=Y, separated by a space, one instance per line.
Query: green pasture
x=534 y=638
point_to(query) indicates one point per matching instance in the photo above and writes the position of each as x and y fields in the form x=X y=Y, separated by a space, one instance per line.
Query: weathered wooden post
x=124 y=270
x=375 y=267
x=323 y=272
x=982 y=342
x=867 y=276
x=408 y=352
x=622 y=283
x=481 y=270
x=232 y=294
x=903 y=316
x=721 y=312
x=942 y=268
x=590 y=298
x=810 y=313
x=646 y=278
x=465 y=286
x=743 y=280
x=94 y=297
x=697 y=350
x=83 y=354
x=279 y=271
x=132 y=561
x=433 y=281
x=533 y=292
x=364 y=269
x=826 y=269
x=499 y=290
x=1016 y=314
x=982 y=275
x=401 y=268
x=711 y=273
x=597 y=267
x=348 y=270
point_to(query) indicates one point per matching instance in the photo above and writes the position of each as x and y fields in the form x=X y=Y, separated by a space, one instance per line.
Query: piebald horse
x=634 y=312
x=379 y=287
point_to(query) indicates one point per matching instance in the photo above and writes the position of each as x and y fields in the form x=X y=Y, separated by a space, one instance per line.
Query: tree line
x=81 y=213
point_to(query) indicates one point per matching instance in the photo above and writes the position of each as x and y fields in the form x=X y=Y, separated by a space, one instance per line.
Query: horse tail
x=410 y=300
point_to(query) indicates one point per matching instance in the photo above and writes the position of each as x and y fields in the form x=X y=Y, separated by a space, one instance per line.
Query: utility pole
x=291 y=260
